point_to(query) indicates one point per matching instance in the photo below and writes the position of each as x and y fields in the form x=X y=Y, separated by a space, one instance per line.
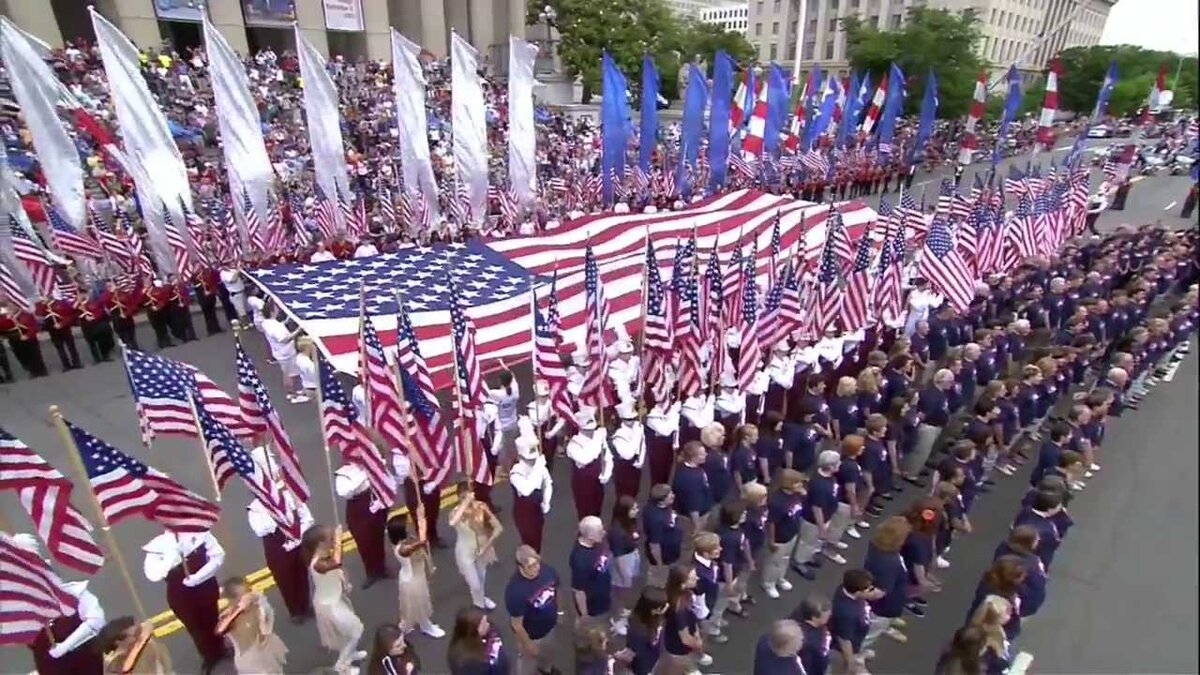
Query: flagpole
x=406 y=411
x=109 y=540
x=212 y=469
x=533 y=316
x=312 y=354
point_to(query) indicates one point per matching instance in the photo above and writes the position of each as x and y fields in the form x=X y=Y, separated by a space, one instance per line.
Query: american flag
x=137 y=249
x=276 y=232
x=945 y=268
x=911 y=219
x=387 y=208
x=838 y=238
x=594 y=390
x=198 y=233
x=711 y=312
x=126 y=487
x=254 y=230
x=10 y=290
x=776 y=250
x=688 y=338
x=65 y=289
x=857 y=296
x=656 y=331
x=323 y=214
x=827 y=301
x=733 y=285
x=28 y=249
x=177 y=243
x=375 y=375
x=469 y=395
x=66 y=239
x=112 y=245
x=430 y=440
x=32 y=597
x=750 y=351
x=495 y=277
x=260 y=415
x=45 y=494
x=547 y=357
x=343 y=430
x=161 y=392
x=967 y=238
x=230 y=459
x=791 y=314
x=888 y=279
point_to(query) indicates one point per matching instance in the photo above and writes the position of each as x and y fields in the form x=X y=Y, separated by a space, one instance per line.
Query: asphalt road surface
x=1122 y=599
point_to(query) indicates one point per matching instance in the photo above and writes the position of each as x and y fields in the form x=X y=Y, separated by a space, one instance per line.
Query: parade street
x=1143 y=621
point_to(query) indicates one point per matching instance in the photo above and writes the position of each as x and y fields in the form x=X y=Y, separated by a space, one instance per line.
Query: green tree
x=1084 y=69
x=932 y=39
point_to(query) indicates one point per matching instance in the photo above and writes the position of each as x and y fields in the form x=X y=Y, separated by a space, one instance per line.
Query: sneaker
x=867 y=654
x=919 y=601
x=620 y=626
x=299 y=398
x=1006 y=470
x=1094 y=468
x=1088 y=474
x=840 y=545
x=942 y=563
x=1077 y=486
x=863 y=525
x=359 y=656
x=898 y=623
x=784 y=585
x=805 y=572
x=835 y=557
x=915 y=609
x=896 y=635
x=488 y=604
x=874 y=510
x=771 y=591
x=853 y=533
x=705 y=660
x=719 y=638
x=432 y=630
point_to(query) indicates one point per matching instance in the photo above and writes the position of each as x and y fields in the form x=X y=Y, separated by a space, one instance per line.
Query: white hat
x=729 y=380
x=624 y=347
x=27 y=542
x=585 y=418
x=527 y=448
x=626 y=411
x=541 y=388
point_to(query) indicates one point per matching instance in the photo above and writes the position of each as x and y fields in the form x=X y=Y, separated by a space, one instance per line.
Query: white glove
x=545 y=508
x=428 y=488
x=191 y=581
x=57 y=651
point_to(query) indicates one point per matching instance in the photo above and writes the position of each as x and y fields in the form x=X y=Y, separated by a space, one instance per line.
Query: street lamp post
x=547 y=17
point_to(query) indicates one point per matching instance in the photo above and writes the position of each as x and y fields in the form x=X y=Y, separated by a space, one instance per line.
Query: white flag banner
x=409 y=89
x=469 y=125
x=161 y=177
x=324 y=127
x=18 y=285
x=241 y=127
x=36 y=89
x=522 y=135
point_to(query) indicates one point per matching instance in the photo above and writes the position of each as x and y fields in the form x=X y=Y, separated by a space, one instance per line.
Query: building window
x=873 y=22
x=833 y=5
x=829 y=50
x=778 y=6
x=809 y=48
x=833 y=21
x=757 y=29
x=774 y=51
x=760 y=6
x=854 y=4
x=775 y=28
x=894 y=22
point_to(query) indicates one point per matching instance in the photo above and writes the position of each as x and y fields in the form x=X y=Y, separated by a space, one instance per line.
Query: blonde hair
x=706 y=542
x=846 y=386
x=753 y=493
x=987 y=619
x=868 y=380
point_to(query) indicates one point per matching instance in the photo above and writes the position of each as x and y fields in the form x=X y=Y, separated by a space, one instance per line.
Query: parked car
x=1100 y=131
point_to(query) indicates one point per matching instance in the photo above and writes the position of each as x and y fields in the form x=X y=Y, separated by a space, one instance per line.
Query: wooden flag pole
x=110 y=541
x=333 y=500
x=533 y=368
x=212 y=471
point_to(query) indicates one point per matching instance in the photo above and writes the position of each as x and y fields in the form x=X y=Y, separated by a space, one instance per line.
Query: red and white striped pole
x=876 y=106
x=970 y=139
x=1045 y=130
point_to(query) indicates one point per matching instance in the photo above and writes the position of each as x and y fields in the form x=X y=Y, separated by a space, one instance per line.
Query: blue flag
x=1106 y=90
x=849 y=112
x=777 y=104
x=891 y=109
x=718 y=121
x=929 y=108
x=614 y=125
x=1012 y=104
x=694 y=101
x=649 y=133
x=824 y=115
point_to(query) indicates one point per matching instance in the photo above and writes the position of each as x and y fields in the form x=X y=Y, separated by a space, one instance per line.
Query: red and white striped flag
x=945 y=268
x=750 y=351
x=858 y=287
x=872 y=117
x=32 y=595
x=261 y=416
x=594 y=390
x=1045 y=128
x=431 y=442
x=469 y=399
x=970 y=141
x=375 y=376
x=343 y=430
x=45 y=494
x=547 y=356
x=28 y=249
x=254 y=230
x=752 y=145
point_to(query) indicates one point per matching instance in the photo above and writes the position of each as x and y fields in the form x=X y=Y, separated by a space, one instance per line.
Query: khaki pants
x=671 y=664
x=543 y=662
x=726 y=598
x=927 y=435
x=809 y=545
x=776 y=561
x=840 y=522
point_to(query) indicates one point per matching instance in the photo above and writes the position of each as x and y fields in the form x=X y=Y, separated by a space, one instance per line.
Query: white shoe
x=1077 y=486
x=785 y=585
x=1094 y=468
x=853 y=533
x=835 y=557
x=1088 y=474
x=433 y=630
x=1006 y=470
x=863 y=525
x=942 y=563
x=300 y=398
x=771 y=591
x=358 y=656
x=705 y=660
x=840 y=545
x=488 y=604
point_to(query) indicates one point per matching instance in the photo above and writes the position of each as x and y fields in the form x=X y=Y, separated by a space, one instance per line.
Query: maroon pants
x=752 y=403
x=730 y=423
x=627 y=478
x=776 y=396
x=660 y=455
x=550 y=451
x=587 y=489
x=196 y=608
x=82 y=660
x=528 y=516
x=290 y=575
x=367 y=529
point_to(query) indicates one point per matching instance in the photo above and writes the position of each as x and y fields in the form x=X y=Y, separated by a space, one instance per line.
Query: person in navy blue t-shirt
x=850 y=618
x=1040 y=516
x=531 y=600
x=820 y=504
x=693 y=495
x=1050 y=452
x=813 y=617
x=475 y=646
x=1021 y=543
x=783 y=525
x=683 y=647
x=778 y=652
x=663 y=533
x=644 y=640
x=591 y=571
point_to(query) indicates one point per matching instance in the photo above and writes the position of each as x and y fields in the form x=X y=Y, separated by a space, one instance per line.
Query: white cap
x=585 y=418
x=541 y=388
x=728 y=380
x=624 y=347
x=527 y=448
x=626 y=411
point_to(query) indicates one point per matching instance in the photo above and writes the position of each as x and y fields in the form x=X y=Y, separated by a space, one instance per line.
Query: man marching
x=282 y=553
x=366 y=517
x=188 y=563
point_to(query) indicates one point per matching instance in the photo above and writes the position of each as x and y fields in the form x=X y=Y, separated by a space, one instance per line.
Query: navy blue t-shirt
x=801 y=440
x=706 y=581
x=985 y=367
x=849 y=473
x=815 y=652
x=845 y=411
x=1028 y=404
x=938 y=339
x=917 y=550
x=849 y=619
x=1048 y=457
x=591 y=572
x=767 y=662
x=495 y=661
x=783 y=510
x=621 y=541
x=661 y=526
x=677 y=621
x=745 y=464
x=534 y=601
x=822 y=494
x=646 y=647
x=732 y=551
x=692 y=491
x=934 y=407
x=720 y=480
x=756 y=526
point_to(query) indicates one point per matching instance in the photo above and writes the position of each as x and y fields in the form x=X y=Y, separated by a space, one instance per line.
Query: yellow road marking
x=261 y=580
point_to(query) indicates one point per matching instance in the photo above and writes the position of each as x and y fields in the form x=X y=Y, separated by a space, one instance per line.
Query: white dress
x=416 y=606
x=337 y=624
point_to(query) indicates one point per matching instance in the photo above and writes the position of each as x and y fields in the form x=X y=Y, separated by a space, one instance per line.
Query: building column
x=433 y=27
x=137 y=20
x=226 y=16
x=516 y=18
x=377 y=26
x=458 y=19
x=37 y=21
x=483 y=27
x=310 y=17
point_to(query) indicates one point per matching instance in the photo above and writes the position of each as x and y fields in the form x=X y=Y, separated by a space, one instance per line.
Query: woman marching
x=477 y=529
x=337 y=624
x=249 y=621
x=416 y=607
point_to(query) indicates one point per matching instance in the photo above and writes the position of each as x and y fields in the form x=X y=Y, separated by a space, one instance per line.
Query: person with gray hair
x=531 y=599
x=820 y=505
x=934 y=406
x=591 y=572
x=776 y=652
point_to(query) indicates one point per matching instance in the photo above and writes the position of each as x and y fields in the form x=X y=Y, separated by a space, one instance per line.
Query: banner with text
x=343 y=15
x=178 y=10
x=280 y=13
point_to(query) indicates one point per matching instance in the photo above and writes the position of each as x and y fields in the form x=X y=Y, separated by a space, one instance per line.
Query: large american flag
x=10 y=290
x=230 y=459
x=827 y=300
x=344 y=431
x=260 y=415
x=750 y=351
x=161 y=391
x=324 y=215
x=45 y=494
x=126 y=487
x=656 y=331
x=177 y=242
x=254 y=230
x=31 y=597
x=496 y=277
x=431 y=443
x=67 y=239
x=114 y=245
x=945 y=268
x=29 y=250
x=888 y=305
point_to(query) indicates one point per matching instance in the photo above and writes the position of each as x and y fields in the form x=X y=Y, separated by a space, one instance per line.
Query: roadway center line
x=1170 y=206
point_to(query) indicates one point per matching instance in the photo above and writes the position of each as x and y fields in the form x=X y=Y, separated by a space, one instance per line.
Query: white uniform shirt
x=539 y=412
x=262 y=524
x=698 y=411
x=574 y=380
x=365 y=250
x=232 y=279
x=322 y=256
x=279 y=339
x=629 y=442
x=781 y=371
x=527 y=478
x=920 y=302
x=731 y=402
x=350 y=481
x=91 y=618
x=168 y=550
x=256 y=305
x=506 y=405
x=308 y=371
x=664 y=420
x=584 y=450
x=624 y=376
